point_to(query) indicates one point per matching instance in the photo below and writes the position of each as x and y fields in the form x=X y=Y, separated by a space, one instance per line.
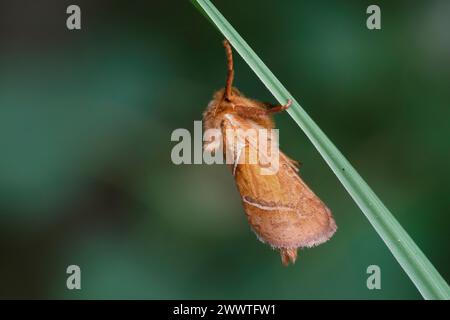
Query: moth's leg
x=250 y=112
x=278 y=108
x=255 y=113
x=238 y=157
x=230 y=76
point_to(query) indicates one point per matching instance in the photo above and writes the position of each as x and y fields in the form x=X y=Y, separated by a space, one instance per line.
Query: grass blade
x=419 y=269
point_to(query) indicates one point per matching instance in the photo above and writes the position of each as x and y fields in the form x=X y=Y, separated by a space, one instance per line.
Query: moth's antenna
x=230 y=77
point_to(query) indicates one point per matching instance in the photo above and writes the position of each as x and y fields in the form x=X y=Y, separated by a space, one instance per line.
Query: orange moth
x=281 y=209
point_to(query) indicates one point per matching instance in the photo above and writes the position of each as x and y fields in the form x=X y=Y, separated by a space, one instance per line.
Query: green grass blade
x=419 y=269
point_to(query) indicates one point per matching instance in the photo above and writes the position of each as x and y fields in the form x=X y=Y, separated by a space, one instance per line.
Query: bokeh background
x=85 y=124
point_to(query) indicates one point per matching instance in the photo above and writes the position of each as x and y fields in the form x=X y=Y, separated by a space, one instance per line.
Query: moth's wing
x=281 y=208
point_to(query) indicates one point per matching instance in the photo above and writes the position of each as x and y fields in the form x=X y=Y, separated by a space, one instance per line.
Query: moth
x=281 y=209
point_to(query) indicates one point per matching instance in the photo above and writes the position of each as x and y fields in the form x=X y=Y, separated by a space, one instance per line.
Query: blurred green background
x=85 y=124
